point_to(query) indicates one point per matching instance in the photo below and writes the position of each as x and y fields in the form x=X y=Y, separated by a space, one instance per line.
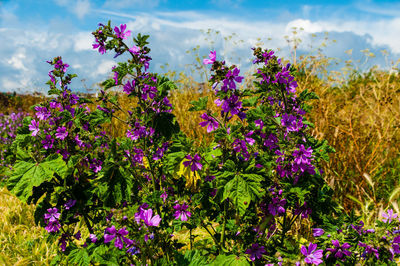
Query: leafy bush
x=255 y=193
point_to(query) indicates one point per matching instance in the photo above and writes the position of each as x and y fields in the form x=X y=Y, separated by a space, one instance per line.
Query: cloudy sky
x=32 y=32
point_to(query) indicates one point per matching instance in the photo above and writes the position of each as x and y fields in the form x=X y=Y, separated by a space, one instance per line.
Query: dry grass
x=21 y=241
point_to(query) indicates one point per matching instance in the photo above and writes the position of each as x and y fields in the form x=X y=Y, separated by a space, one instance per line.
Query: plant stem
x=224 y=224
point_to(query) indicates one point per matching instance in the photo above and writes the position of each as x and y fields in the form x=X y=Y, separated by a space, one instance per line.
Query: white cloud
x=17 y=60
x=82 y=7
x=83 y=41
x=79 y=7
x=104 y=68
x=23 y=51
x=383 y=31
x=117 y=4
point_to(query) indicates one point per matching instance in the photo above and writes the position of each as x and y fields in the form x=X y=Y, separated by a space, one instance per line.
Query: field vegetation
x=358 y=113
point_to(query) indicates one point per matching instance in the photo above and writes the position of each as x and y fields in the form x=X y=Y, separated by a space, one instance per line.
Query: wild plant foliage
x=256 y=190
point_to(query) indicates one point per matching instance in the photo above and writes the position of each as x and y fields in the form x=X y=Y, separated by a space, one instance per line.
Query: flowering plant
x=119 y=200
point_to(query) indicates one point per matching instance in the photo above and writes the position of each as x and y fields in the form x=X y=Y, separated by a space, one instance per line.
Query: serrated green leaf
x=199 y=105
x=250 y=101
x=166 y=124
x=117 y=185
x=26 y=175
x=238 y=191
x=79 y=257
x=109 y=83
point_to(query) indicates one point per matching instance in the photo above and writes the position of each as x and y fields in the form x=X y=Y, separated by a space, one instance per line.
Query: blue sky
x=32 y=32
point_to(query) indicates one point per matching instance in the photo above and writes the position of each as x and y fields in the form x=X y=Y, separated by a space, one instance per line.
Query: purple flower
x=387 y=217
x=368 y=250
x=271 y=142
x=312 y=255
x=339 y=251
x=51 y=219
x=129 y=87
x=239 y=146
x=193 y=162
x=78 y=141
x=395 y=245
x=61 y=66
x=358 y=228
x=164 y=196
x=232 y=105
x=121 y=33
x=70 y=203
x=62 y=133
x=96 y=165
x=100 y=45
x=149 y=219
x=133 y=250
x=180 y=212
x=302 y=160
x=93 y=238
x=276 y=207
x=231 y=77
x=34 y=127
x=139 y=132
x=78 y=235
x=48 y=142
x=119 y=236
x=255 y=251
x=149 y=92
x=135 y=50
x=210 y=122
x=212 y=56
x=292 y=123
x=318 y=232
x=42 y=113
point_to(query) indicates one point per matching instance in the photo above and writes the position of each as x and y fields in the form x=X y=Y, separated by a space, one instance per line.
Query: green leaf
x=191 y=258
x=98 y=117
x=250 y=101
x=102 y=255
x=213 y=152
x=306 y=95
x=230 y=260
x=166 y=124
x=243 y=189
x=27 y=175
x=199 y=105
x=116 y=184
x=54 y=91
x=164 y=85
x=239 y=192
x=109 y=83
x=79 y=257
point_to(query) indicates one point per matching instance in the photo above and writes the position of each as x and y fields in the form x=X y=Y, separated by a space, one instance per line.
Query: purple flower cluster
x=138 y=131
x=255 y=251
x=51 y=218
x=277 y=204
x=302 y=160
